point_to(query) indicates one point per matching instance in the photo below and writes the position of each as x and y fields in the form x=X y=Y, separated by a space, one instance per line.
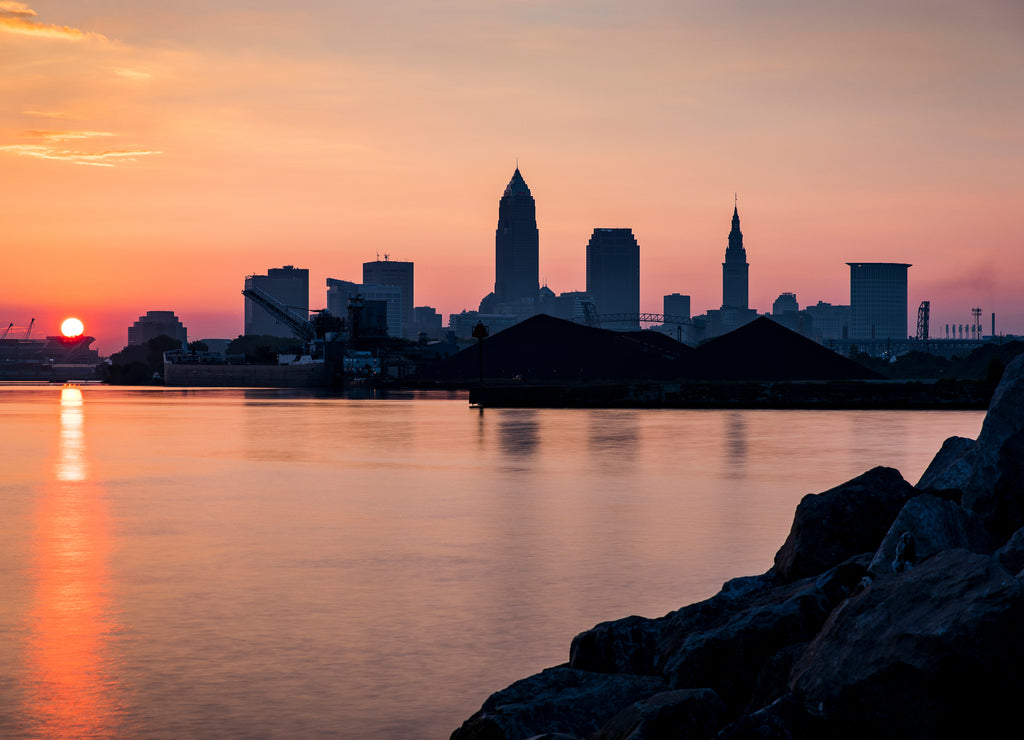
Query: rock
x=842 y=522
x=932 y=525
x=783 y=719
x=558 y=700
x=631 y=645
x=773 y=680
x=693 y=713
x=623 y=646
x=727 y=650
x=951 y=467
x=1011 y=555
x=932 y=652
x=995 y=489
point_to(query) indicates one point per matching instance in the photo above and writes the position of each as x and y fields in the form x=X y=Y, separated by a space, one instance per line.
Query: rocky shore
x=891 y=610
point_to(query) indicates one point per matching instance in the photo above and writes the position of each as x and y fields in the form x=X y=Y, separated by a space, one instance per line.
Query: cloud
x=110 y=158
x=66 y=135
x=53 y=115
x=133 y=74
x=17 y=18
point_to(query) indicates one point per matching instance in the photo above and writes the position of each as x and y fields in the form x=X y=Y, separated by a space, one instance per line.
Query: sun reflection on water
x=70 y=679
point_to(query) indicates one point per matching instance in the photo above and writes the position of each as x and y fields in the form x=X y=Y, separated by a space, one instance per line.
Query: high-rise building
x=735 y=270
x=878 y=300
x=290 y=286
x=426 y=320
x=340 y=292
x=572 y=305
x=389 y=272
x=613 y=276
x=827 y=321
x=676 y=305
x=516 y=245
x=155 y=324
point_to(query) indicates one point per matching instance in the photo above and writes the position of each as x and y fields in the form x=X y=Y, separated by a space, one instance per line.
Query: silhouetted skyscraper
x=613 y=275
x=878 y=300
x=735 y=270
x=516 y=244
x=387 y=272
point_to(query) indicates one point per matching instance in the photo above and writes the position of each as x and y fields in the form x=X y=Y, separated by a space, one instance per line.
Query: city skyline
x=248 y=136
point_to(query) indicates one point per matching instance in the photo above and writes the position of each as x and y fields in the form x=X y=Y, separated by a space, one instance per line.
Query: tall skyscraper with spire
x=735 y=270
x=516 y=245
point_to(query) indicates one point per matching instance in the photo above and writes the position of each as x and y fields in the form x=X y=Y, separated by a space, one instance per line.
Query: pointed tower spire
x=735 y=268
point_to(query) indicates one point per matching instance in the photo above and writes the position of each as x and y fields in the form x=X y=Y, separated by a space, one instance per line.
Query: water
x=272 y=564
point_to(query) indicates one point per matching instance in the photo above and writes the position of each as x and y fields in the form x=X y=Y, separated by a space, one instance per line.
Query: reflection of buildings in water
x=518 y=432
x=69 y=686
x=613 y=443
x=736 y=444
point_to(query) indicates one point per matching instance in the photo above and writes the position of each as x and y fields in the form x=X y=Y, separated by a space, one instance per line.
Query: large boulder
x=1011 y=555
x=844 y=521
x=558 y=700
x=930 y=525
x=783 y=719
x=632 y=645
x=995 y=488
x=695 y=714
x=932 y=652
x=623 y=646
x=951 y=467
x=728 y=651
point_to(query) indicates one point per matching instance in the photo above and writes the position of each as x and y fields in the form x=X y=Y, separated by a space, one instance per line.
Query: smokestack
x=993 y=324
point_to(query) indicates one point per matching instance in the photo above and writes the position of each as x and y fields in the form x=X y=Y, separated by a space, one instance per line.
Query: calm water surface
x=271 y=564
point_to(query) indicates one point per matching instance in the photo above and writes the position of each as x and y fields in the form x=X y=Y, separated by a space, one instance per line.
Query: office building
x=613 y=277
x=826 y=322
x=735 y=270
x=516 y=245
x=426 y=320
x=290 y=286
x=341 y=292
x=573 y=305
x=878 y=300
x=155 y=324
x=391 y=272
x=676 y=306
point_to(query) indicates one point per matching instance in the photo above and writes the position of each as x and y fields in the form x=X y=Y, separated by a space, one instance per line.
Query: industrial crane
x=299 y=326
x=28 y=331
x=4 y=335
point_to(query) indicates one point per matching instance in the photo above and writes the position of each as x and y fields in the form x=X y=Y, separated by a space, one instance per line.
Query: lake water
x=273 y=564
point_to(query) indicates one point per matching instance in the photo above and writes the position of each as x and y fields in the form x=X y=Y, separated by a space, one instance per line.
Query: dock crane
x=28 y=331
x=298 y=325
x=4 y=335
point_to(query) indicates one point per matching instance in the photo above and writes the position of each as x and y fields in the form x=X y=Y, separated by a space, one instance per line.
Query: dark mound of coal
x=765 y=350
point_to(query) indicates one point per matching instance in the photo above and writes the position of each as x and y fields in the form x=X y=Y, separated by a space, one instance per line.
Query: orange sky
x=153 y=154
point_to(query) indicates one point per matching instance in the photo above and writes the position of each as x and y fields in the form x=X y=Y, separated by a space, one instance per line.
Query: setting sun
x=72 y=328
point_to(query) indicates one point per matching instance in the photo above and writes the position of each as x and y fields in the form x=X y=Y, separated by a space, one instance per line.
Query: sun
x=72 y=328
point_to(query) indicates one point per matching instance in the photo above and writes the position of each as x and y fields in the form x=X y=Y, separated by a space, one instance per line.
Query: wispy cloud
x=133 y=74
x=110 y=158
x=66 y=135
x=52 y=115
x=19 y=18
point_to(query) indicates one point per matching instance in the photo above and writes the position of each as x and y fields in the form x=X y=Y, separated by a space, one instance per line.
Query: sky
x=153 y=154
